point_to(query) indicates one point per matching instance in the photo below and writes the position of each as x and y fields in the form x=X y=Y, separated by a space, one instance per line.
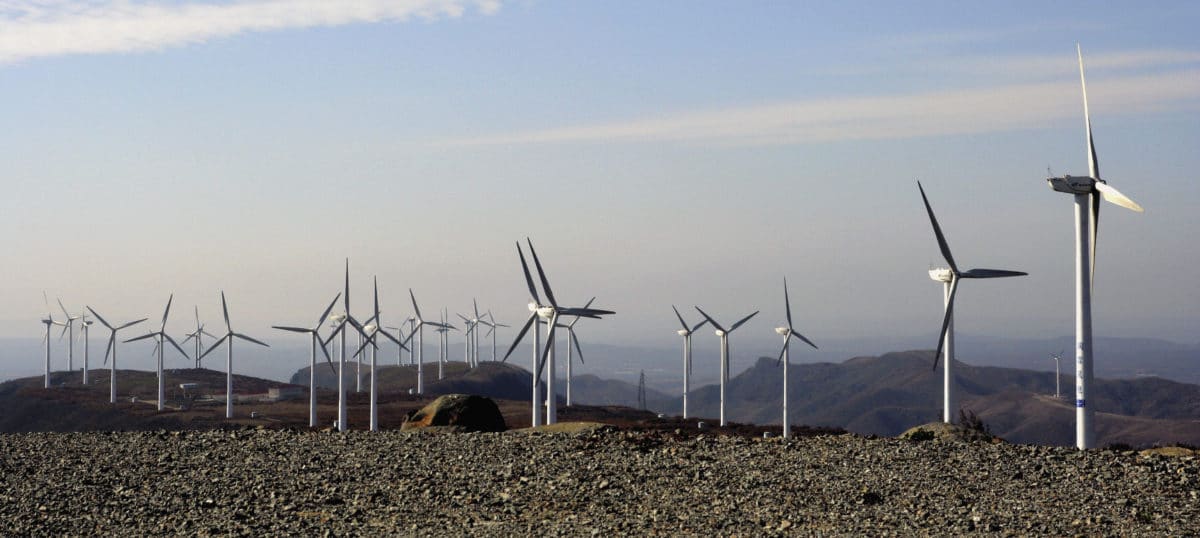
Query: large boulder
x=468 y=412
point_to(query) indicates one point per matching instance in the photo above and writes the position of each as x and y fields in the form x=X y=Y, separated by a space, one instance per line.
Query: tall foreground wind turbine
x=1087 y=192
x=371 y=329
x=161 y=335
x=419 y=332
x=686 y=333
x=950 y=277
x=48 y=321
x=549 y=313
x=788 y=333
x=312 y=359
x=228 y=339
x=84 y=325
x=112 y=346
x=723 y=334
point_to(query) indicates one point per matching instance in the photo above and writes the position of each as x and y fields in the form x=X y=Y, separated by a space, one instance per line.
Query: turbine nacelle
x=783 y=331
x=1073 y=184
x=682 y=332
x=719 y=332
x=941 y=274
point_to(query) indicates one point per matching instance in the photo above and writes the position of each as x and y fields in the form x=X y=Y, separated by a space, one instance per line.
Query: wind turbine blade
x=803 y=339
x=702 y=323
x=142 y=337
x=346 y=297
x=937 y=231
x=292 y=329
x=990 y=273
x=130 y=324
x=709 y=319
x=528 y=278
x=65 y=326
x=176 y=344
x=541 y=274
x=375 y=281
x=99 y=317
x=783 y=350
x=167 y=311
x=325 y=314
x=189 y=337
x=249 y=339
x=333 y=334
x=475 y=303
x=520 y=335
x=112 y=342
x=416 y=308
x=464 y=318
x=64 y=309
x=937 y=355
x=741 y=321
x=549 y=345
x=392 y=338
x=225 y=309
x=575 y=340
x=1112 y=195
x=787 y=302
x=197 y=317
x=370 y=340
x=1093 y=162
x=680 y=316
x=324 y=351
x=213 y=346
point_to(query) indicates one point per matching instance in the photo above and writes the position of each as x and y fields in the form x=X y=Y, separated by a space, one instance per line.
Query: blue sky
x=657 y=153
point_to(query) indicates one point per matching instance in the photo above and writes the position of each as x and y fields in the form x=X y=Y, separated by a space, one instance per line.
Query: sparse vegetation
x=969 y=420
x=921 y=435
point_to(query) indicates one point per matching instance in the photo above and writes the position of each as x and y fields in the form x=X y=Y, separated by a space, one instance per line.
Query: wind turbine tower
x=723 y=334
x=686 y=333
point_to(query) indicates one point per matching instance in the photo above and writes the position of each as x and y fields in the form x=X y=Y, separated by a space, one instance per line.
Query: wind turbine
x=69 y=330
x=950 y=276
x=444 y=338
x=228 y=339
x=112 y=346
x=686 y=333
x=723 y=334
x=1057 y=376
x=492 y=326
x=419 y=332
x=197 y=335
x=370 y=330
x=572 y=341
x=1087 y=192
x=788 y=332
x=84 y=325
x=48 y=321
x=161 y=335
x=549 y=312
x=312 y=359
x=339 y=322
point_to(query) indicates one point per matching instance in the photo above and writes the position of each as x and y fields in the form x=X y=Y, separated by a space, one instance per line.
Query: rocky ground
x=610 y=483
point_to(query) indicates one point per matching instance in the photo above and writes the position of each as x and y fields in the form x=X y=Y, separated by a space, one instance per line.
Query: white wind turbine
x=84 y=325
x=492 y=326
x=950 y=277
x=723 y=334
x=471 y=345
x=686 y=333
x=573 y=341
x=48 y=321
x=312 y=359
x=370 y=330
x=160 y=336
x=69 y=331
x=112 y=346
x=788 y=332
x=197 y=336
x=1057 y=375
x=419 y=332
x=550 y=313
x=228 y=339
x=444 y=338
x=1087 y=192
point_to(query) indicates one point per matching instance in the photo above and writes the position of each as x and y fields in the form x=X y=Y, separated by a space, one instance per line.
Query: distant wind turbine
x=69 y=331
x=950 y=276
x=723 y=334
x=1057 y=375
x=228 y=339
x=84 y=325
x=159 y=337
x=48 y=321
x=312 y=359
x=492 y=326
x=419 y=332
x=788 y=333
x=572 y=341
x=112 y=346
x=1087 y=192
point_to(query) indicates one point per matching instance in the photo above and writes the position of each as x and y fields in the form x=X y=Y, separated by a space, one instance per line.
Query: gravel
x=270 y=482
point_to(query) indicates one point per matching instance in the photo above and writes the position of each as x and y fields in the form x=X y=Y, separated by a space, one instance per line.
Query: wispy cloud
x=40 y=28
x=999 y=108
